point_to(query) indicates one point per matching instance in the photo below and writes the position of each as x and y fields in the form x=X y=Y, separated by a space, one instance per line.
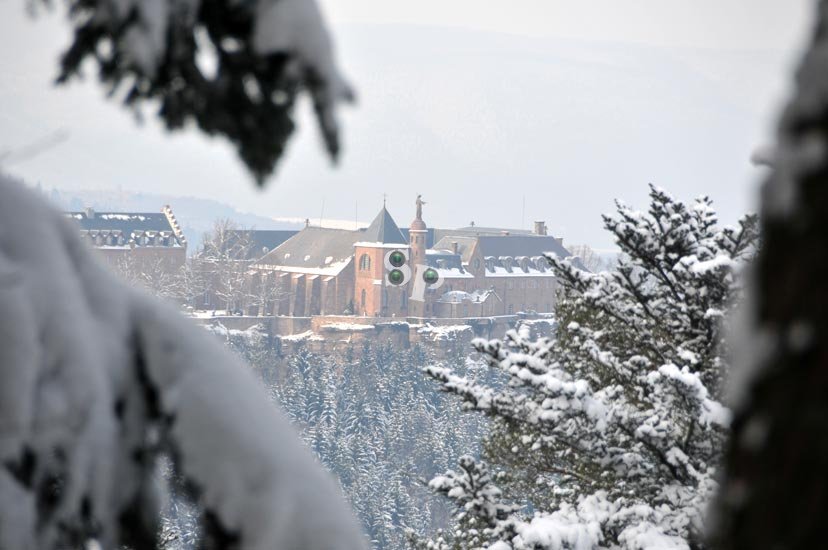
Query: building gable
x=383 y=230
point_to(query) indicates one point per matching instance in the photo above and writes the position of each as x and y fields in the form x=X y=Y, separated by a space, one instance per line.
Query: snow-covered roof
x=460 y=296
x=318 y=250
x=453 y=273
x=448 y=264
x=329 y=270
x=499 y=270
x=526 y=245
x=124 y=230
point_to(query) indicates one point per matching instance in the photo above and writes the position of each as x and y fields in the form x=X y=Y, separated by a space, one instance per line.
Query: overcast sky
x=497 y=112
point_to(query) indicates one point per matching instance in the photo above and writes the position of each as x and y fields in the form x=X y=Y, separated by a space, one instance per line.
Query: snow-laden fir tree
x=609 y=435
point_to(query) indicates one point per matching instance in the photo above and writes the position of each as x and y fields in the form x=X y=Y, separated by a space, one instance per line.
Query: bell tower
x=371 y=296
x=417 y=242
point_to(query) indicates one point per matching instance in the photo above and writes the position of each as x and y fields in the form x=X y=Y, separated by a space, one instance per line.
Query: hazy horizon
x=564 y=116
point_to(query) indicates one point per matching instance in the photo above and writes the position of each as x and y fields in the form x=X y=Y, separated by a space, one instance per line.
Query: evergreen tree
x=370 y=417
x=611 y=434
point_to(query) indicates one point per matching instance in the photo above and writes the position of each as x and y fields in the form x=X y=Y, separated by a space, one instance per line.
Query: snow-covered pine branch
x=613 y=431
x=233 y=68
x=481 y=515
x=98 y=383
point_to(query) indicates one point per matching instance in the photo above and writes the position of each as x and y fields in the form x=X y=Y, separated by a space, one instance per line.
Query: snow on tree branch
x=620 y=417
x=233 y=68
x=99 y=384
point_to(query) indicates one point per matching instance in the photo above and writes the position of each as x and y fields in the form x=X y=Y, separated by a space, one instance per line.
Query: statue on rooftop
x=420 y=203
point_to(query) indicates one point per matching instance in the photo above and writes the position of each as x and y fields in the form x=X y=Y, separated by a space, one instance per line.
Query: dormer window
x=507 y=262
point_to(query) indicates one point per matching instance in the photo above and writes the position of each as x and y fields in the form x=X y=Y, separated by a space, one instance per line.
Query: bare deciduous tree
x=266 y=290
x=591 y=259
x=156 y=275
x=223 y=262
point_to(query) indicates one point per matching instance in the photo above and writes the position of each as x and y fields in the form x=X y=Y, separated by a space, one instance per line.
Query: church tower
x=417 y=244
x=372 y=297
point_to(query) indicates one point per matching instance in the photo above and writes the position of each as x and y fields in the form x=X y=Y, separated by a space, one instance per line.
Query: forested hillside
x=374 y=420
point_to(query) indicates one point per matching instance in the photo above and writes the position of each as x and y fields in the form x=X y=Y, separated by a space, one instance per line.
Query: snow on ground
x=448 y=332
x=207 y=313
x=252 y=335
x=307 y=335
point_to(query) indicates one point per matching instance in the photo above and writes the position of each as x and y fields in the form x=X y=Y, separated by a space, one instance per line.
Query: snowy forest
x=679 y=401
x=373 y=419
x=611 y=430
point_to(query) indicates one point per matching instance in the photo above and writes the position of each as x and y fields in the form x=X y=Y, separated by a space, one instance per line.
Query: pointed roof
x=383 y=230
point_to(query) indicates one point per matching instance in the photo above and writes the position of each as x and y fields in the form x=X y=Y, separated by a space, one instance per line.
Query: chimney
x=454 y=247
x=90 y=213
x=540 y=228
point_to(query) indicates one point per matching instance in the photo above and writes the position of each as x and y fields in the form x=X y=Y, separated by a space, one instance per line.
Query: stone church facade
x=479 y=272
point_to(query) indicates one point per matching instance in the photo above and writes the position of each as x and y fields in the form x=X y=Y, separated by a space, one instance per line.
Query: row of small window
x=118 y=239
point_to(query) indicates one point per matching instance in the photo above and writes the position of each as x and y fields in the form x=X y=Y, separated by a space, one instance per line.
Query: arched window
x=364 y=262
x=363 y=297
x=477 y=263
